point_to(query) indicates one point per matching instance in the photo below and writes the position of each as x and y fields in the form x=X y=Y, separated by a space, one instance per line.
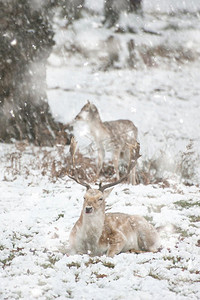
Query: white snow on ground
x=37 y=211
x=36 y=218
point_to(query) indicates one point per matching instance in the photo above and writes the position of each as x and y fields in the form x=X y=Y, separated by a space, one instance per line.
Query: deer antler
x=72 y=150
x=80 y=182
x=133 y=160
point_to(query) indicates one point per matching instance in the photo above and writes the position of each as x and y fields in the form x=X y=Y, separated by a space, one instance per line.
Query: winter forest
x=100 y=149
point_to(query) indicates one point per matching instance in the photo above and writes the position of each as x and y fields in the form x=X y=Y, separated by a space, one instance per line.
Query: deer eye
x=100 y=199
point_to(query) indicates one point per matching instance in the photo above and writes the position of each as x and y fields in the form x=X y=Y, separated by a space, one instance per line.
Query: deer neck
x=98 y=130
x=92 y=225
x=96 y=122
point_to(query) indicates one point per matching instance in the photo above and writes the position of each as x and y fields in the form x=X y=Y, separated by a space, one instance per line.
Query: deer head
x=89 y=112
x=94 y=201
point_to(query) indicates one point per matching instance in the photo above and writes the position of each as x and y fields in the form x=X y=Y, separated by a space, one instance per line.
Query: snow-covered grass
x=38 y=212
x=36 y=217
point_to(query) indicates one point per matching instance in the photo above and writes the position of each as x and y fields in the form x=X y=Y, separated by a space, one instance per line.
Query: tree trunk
x=26 y=39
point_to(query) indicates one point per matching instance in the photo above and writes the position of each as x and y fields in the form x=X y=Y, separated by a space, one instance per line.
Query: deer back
x=122 y=131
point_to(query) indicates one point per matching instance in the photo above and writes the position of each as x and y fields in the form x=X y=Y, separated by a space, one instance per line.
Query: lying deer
x=98 y=233
x=112 y=136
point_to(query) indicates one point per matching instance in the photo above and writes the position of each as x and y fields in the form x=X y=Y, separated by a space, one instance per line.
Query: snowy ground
x=37 y=210
x=36 y=218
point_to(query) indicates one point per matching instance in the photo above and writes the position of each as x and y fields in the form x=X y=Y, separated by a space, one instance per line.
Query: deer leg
x=132 y=177
x=116 y=162
x=116 y=244
x=101 y=154
x=136 y=251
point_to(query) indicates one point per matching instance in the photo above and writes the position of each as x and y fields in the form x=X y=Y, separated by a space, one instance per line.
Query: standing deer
x=113 y=136
x=98 y=233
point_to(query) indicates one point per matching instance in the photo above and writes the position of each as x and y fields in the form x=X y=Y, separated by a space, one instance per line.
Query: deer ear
x=88 y=102
x=106 y=193
x=93 y=108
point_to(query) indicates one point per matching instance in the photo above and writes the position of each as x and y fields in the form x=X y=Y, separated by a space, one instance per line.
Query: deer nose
x=88 y=209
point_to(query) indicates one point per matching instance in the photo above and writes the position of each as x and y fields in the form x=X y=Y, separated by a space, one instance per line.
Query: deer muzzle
x=88 y=209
